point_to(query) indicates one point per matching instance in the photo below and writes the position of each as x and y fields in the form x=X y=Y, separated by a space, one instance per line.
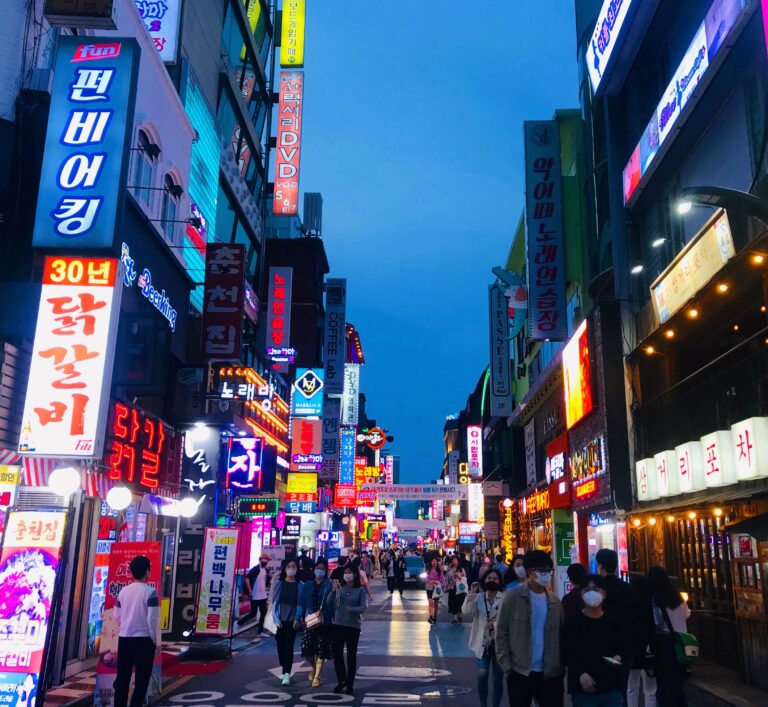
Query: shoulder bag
x=315 y=619
x=686 y=644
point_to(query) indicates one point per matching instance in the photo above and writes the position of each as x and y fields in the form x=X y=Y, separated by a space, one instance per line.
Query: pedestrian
x=400 y=568
x=434 y=583
x=257 y=585
x=285 y=605
x=366 y=566
x=138 y=614
x=594 y=648
x=338 y=571
x=572 y=603
x=456 y=584
x=349 y=600
x=501 y=565
x=317 y=641
x=620 y=603
x=643 y=673
x=387 y=564
x=528 y=637
x=516 y=575
x=474 y=572
x=670 y=614
x=482 y=608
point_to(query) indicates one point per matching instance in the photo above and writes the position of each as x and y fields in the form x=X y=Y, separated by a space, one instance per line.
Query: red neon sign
x=586 y=489
x=288 y=154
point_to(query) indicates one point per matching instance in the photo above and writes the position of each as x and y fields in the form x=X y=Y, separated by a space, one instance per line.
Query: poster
x=217 y=583
x=28 y=567
x=119 y=576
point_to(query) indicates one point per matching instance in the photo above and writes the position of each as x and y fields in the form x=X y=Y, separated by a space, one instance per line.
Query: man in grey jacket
x=528 y=637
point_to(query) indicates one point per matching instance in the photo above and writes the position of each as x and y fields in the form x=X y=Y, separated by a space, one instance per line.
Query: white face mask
x=544 y=578
x=521 y=572
x=290 y=571
x=349 y=578
x=592 y=598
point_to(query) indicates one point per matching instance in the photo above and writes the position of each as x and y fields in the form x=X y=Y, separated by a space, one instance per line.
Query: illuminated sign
x=365 y=474
x=577 y=377
x=374 y=438
x=466 y=528
x=300 y=507
x=306 y=444
x=10 y=478
x=587 y=466
x=415 y=492
x=345 y=496
x=65 y=409
x=586 y=489
x=507 y=527
x=288 y=144
x=161 y=18
x=474 y=502
x=246 y=470
x=710 y=37
x=292 y=527
x=536 y=502
x=307 y=399
x=214 y=603
x=279 y=297
x=501 y=367
x=350 y=401
x=248 y=508
x=327 y=536
x=292 y=34
x=558 y=473
x=347 y=461
x=302 y=486
x=82 y=187
x=158 y=299
x=389 y=469
x=605 y=38
x=475 y=450
x=335 y=335
x=223 y=301
x=547 y=320
x=331 y=440
x=143 y=450
x=29 y=565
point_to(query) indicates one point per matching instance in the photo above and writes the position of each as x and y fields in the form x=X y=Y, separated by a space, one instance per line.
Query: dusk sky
x=413 y=133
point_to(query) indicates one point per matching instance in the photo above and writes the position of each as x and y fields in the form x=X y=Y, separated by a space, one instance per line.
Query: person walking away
x=285 y=603
x=643 y=673
x=400 y=568
x=435 y=579
x=670 y=614
x=138 y=614
x=594 y=648
x=482 y=608
x=338 y=571
x=474 y=572
x=257 y=585
x=455 y=579
x=572 y=603
x=366 y=566
x=350 y=602
x=501 y=565
x=516 y=575
x=306 y=566
x=317 y=642
x=528 y=637
x=388 y=569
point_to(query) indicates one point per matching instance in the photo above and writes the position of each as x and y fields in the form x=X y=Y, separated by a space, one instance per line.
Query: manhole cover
x=433 y=692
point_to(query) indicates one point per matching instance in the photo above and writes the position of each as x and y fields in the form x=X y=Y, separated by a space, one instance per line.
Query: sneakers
x=286 y=679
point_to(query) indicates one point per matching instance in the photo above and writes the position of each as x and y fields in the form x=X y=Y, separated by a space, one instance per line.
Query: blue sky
x=413 y=133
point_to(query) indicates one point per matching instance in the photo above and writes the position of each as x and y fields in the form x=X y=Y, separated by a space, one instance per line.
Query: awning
x=756 y=526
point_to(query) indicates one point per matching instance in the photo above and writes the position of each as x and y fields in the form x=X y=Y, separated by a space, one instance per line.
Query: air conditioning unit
x=34 y=499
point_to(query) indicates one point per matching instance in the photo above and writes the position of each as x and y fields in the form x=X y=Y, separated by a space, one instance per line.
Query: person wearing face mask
x=482 y=608
x=528 y=637
x=285 y=603
x=456 y=583
x=595 y=648
x=317 y=642
x=516 y=575
x=572 y=603
x=257 y=585
x=350 y=601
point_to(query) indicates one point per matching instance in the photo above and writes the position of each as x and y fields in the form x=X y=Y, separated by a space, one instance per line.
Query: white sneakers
x=286 y=679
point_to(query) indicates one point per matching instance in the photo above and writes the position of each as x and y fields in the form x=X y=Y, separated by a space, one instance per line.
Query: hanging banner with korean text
x=335 y=334
x=82 y=187
x=306 y=446
x=331 y=440
x=279 y=295
x=217 y=584
x=351 y=398
x=65 y=410
x=347 y=461
x=292 y=34
x=223 y=301
x=161 y=18
x=501 y=368
x=285 y=200
x=29 y=564
x=414 y=492
x=545 y=249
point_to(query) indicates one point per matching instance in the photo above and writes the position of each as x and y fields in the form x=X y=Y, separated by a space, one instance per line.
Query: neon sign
x=586 y=489
x=249 y=508
x=587 y=465
x=577 y=378
x=246 y=471
x=159 y=300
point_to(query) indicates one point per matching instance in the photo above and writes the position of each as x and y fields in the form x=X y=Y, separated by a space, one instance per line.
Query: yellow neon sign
x=292 y=34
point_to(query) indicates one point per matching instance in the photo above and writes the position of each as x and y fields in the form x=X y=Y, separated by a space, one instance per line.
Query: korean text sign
x=331 y=439
x=347 y=461
x=288 y=152
x=306 y=447
x=545 y=249
x=335 y=334
x=29 y=563
x=65 y=410
x=82 y=188
x=161 y=18
x=292 y=34
x=501 y=368
x=217 y=584
x=246 y=472
x=577 y=376
x=223 y=300
x=279 y=308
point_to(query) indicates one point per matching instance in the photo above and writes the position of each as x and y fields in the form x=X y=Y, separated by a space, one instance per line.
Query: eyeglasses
x=542 y=570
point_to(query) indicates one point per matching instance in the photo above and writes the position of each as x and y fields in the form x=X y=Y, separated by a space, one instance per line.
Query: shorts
x=429 y=593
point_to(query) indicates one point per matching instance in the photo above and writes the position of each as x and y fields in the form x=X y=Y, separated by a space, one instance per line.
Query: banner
x=351 y=398
x=331 y=440
x=279 y=298
x=335 y=335
x=29 y=565
x=292 y=34
x=501 y=369
x=223 y=301
x=213 y=616
x=285 y=199
x=409 y=492
x=119 y=576
x=402 y=524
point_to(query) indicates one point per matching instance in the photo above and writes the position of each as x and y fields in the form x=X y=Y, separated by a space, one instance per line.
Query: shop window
x=145 y=156
x=171 y=194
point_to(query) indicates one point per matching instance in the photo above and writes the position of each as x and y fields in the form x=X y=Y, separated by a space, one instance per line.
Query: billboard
x=279 y=297
x=577 y=376
x=545 y=244
x=302 y=486
x=65 y=410
x=223 y=301
x=292 y=34
x=345 y=496
x=415 y=492
x=475 y=450
x=82 y=184
x=213 y=614
x=501 y=368
x=335 y=334
x=605 y=38
x=161 y=18
x=248 y=468
x=331 y=449
x=306 y=445
x=351 y=397
x=285 y=200
x=307 y=397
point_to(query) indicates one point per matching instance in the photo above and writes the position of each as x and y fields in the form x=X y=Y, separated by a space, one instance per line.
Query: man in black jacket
x=400 y=568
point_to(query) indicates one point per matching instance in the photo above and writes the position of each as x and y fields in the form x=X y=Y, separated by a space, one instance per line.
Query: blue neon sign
x=158 y=299
x=347 y=460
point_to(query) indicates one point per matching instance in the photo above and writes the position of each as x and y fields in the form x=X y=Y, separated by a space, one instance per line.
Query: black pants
x=400 y=583
x=285 y=638
x=670 y=675
x=349 y=637
x=524 y=688
x=257 y=606
x=133 y=653
x=391 y=584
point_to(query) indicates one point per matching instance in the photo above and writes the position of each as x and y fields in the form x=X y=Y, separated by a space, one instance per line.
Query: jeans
x=133 y=653
x=285 y=638
x=349 y=637
x=257 y=605
x=636 y=679
x=524 y=688
x=487 y=666
x=603 y=699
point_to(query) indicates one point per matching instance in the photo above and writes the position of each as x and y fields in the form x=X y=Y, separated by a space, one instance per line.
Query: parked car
x=415 y=572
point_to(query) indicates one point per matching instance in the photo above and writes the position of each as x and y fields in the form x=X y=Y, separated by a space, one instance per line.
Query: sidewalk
x=715 y=686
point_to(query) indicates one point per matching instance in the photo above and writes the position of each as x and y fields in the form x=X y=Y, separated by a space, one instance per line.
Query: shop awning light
x=718 y=512
x=64 y=481
x=652 y=521
x=692 y=313
x=692 y=515
x=670 y=519
x=650 y=350
x=658 y=242
x=758 y=259
x=636 y=522
x=722 y=287
x=637 y=269
x=684 y=206
x=670 y=333
x=119 y=498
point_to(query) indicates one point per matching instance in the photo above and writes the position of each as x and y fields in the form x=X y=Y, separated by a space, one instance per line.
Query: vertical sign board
x=285 y=201
x=351 y=398
x=530 y=453
x=335 y=334
x=347 y=461
x=306 y=445
x=82 y=187
x=217 y=583
x=475 y=450
x=29 y=564
x=223 y=301
x=279 y=298
x=292 y=34
x=501 y=369
x=161 y=18
x=545 y=249
x=307 y=393
x=605 y=38
x=331 y=440
x=65 y=409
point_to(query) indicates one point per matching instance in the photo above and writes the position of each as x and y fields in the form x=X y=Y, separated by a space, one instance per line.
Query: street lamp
x=722 y=198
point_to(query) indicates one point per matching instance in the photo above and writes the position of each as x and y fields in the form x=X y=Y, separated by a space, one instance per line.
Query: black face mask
x=491 y=586
x=264 y=564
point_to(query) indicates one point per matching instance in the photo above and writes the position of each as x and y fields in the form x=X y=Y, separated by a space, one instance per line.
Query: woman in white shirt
x=670 y=614
x=483 y=608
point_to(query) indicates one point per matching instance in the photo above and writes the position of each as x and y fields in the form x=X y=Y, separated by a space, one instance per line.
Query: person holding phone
x=595 y=649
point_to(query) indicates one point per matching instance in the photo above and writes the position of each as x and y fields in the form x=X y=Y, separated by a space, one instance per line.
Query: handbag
x=461 y=586
x=315 y=619
x=269 y=619
x=686 y=644
x=437 y=592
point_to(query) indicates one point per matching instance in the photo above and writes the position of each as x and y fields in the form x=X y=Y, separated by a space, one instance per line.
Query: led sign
x=246 y=470
x=159 y=300
x=248 y=508
x=475 y=450
x=306 y=444
x=587 y=465
x=279 y=297
x=347 y=460
x=577 y=377
x=374 y=438
x=302 y=486
x=288 y=144
x=536 y=502
x=345 y=496
x=605 y=38
x=161 y=18
x=307 y=397
x=292 y=33
x=327 y=536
